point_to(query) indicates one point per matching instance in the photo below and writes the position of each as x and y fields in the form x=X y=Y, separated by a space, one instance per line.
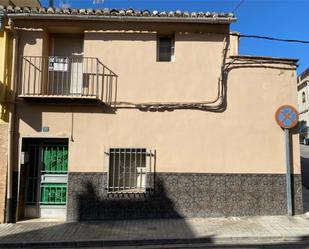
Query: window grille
x=55 y=159
x=128 y=169
x=53 y=193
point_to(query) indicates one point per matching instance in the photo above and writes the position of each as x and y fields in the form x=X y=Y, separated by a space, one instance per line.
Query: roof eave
x=265 y=58
x=205 y=20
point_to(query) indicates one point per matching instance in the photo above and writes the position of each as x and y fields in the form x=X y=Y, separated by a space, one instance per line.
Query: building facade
x=128 y=114
x=5 y=95
x=302 y=99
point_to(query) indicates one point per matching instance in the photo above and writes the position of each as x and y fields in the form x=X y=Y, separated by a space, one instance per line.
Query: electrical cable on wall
x=215 y=105
x=184 y=105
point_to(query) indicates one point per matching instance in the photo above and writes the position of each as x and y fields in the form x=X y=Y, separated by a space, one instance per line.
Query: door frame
x=17 y=211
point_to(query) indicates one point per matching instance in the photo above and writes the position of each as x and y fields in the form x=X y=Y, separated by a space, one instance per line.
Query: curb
x=154 y=242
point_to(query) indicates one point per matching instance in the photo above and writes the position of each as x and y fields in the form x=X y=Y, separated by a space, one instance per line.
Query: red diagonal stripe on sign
x=286 y=116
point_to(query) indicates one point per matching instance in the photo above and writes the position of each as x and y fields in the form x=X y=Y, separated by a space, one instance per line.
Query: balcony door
x=66 y=65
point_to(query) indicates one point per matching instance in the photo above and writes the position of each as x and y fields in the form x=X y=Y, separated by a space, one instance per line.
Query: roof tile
x=50 y=10
x=66 y=11
x=26 y=10
x=74 y=11
x=98 y=12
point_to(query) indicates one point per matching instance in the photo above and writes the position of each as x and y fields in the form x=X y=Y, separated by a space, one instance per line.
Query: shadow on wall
x=138 y=36
x=32 y=114
x=109 y=206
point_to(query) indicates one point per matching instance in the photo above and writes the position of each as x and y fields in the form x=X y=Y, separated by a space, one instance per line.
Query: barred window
x=128 y=170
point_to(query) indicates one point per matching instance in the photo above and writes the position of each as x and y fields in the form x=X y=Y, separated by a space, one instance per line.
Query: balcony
x=58 y=78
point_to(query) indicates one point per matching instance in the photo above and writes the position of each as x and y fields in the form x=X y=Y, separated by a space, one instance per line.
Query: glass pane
x=165 y=48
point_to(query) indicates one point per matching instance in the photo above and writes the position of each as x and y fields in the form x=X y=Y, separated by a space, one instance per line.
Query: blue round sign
x=286 y=116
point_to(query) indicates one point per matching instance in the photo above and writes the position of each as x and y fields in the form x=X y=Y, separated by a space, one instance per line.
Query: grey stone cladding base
x=175 y=195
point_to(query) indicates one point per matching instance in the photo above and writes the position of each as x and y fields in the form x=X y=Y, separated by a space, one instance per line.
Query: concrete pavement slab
x=155 y=232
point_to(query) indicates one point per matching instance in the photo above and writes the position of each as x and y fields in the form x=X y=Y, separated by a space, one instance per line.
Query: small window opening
x=165 y=48
x=303 y=97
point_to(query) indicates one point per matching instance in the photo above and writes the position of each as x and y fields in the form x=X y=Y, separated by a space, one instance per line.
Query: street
x=231 y=246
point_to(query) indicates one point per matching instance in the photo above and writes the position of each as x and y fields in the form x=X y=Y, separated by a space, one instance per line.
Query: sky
x=287 y=19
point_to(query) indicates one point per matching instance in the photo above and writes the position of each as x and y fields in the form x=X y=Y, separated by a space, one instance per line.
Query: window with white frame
x=128 y=168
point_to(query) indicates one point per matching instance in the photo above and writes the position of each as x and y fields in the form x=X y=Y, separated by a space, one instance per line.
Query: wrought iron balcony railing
x=67 y=77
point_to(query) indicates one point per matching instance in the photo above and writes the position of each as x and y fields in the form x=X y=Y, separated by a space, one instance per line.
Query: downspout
x=1 y=20
x=9 y=195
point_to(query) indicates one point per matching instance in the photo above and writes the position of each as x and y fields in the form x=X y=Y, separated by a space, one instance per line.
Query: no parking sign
x=287 y=117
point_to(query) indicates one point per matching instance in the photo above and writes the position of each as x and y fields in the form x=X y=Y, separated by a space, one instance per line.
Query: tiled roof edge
x=15 y=11
x=255 y=57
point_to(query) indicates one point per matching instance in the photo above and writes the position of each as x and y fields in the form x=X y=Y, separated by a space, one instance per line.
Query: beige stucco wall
x=133 y=57
x=243 y=138
x=3 y=167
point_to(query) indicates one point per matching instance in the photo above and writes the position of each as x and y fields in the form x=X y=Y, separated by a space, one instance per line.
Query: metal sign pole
x=287 y=117
x=288 y=171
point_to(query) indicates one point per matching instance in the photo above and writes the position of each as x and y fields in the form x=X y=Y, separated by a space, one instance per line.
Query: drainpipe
x=11 y=139
x=1 y=20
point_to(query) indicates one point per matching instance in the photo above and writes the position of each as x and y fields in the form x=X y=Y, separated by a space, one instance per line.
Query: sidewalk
x=155 y=232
